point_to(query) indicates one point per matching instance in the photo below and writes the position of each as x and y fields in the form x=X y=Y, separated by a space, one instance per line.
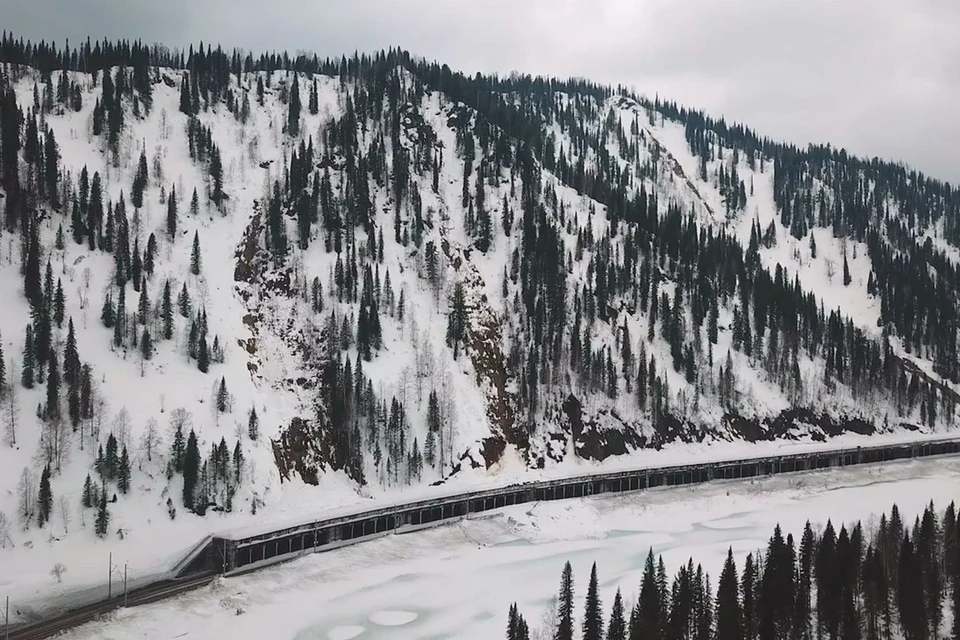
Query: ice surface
x=457 y=581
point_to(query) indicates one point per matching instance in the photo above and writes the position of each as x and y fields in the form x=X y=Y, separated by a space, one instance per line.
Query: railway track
x=89 y=613
x=218 y=561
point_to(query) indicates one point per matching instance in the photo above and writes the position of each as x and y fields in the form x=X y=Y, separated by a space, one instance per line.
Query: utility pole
x=6 y=620
x=110 y=577
x=124 y=584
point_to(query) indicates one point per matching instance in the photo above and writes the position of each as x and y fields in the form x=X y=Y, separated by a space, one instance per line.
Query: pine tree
x=203 y=355
x=44 y=498
x=123 y=473
x=617 y=629
x=186 y=103
x=139 y=181
x=59 y=304
x=146 y=345
x=237 y=462
x=103 y=516
x=646 y=620
x=143 y=304
x=223 y=397
x=167 y=311
x=191 y=471
x=53 y=389
x=253 y=425
x=183 y=301
x=29 y=361
x=172 y=213
x=457 y=320
x=729 y=615
x=593 y=616
x=3 y=371
x=748 y=588
x=194 y=203
x=195 y=255
x=847 y=279
x=87 y=499
x=293 y=112
x=314 y=99
x=564 y=629
x=111 y=461
x=512 y=622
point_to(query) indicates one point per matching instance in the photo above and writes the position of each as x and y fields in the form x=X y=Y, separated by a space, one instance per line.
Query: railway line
x=248 y=550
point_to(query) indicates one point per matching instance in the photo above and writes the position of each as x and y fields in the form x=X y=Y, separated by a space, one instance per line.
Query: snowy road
x=457 y=581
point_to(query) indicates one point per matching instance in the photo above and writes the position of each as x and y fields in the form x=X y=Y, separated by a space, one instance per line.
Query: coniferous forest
x=900 y=580
x=379 y=266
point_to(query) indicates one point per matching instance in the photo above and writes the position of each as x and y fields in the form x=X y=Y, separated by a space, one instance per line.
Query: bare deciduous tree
x=150 y=441
x=4 y=531
x=180 y=418
x=121 y=427
x=11 y=408
x=55 y=442
x=58 y=570
x=64 y=506
x=26 y=497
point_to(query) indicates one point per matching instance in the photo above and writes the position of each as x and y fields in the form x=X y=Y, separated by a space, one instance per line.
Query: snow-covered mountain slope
x=370 y=274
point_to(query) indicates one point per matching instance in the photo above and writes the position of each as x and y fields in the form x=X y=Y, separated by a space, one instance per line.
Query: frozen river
x=458 y=580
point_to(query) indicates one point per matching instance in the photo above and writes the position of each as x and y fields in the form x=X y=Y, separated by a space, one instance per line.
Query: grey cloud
x=880 y=77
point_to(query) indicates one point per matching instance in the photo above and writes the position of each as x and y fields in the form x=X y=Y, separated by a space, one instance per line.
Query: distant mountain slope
x=373 y=272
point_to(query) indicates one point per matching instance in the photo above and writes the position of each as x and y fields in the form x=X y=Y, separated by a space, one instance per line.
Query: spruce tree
x=123 y=474
x=191 y=471
x=195 y=255
x=112 y=460
x=293 y=112
x=172 y=213
x=3 y=371
x=186 y=103
x=167 y=311
x=314 y=99
x=59 y=304
x=223 y=397
x=139 y=181
x=729 y=615
x=102 y=522
x=29 y=361
x=748 y=587
x=593 y=616
x=146 y=345
x=847 y=279
x=183 y=301
x=457 y=320
x=53 y=389
x=646 y=620
x=564 y=629
x=203 y=355
x=44 y=498
x=87 y=498
x=253 y=425
x=617 y=629
x=237 y=462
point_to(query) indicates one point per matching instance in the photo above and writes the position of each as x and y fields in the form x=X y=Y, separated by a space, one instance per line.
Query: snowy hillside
x=372 y=274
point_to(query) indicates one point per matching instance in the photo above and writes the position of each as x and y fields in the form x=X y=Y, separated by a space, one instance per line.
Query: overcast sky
x=879 y=77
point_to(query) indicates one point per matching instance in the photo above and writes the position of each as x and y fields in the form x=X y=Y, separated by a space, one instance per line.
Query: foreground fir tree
x=565 y=605
x=728 y=614
x=593 y=616
x=102 y=521
x=617 y=629
x=44 y=498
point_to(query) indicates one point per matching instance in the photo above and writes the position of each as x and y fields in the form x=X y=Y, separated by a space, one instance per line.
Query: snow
x=403 y=586
x=414 y=358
